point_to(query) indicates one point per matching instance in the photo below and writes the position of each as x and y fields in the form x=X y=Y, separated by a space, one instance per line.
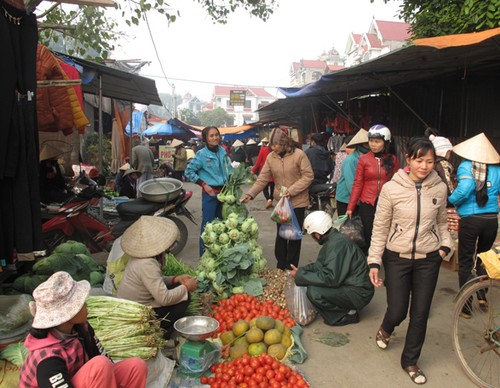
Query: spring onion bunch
x=175 y=267
x=125 y=328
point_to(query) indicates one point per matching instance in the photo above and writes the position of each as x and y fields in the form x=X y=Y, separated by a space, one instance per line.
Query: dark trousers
x=410 y=283
x=170 y=314
x=269 y=191
x=179 y=174
x=288 y=251
x=367 y=215
x=474 y=231
x=211 y=208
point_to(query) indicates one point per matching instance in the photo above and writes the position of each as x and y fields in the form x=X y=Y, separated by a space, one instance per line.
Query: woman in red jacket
x=374 y=169
x=268 y=191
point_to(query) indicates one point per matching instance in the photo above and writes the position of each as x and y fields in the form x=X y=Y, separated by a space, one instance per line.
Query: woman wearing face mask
x=410 y=238
x=374 y=169
x=210 y=168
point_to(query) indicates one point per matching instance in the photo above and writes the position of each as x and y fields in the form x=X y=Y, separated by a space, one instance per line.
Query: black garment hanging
x=20 y=220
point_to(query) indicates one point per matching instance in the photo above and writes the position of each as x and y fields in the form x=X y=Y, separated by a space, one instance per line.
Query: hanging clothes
x=20 y=220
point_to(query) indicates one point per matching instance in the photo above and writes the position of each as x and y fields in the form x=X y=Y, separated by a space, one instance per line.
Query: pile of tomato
x=243 y=306
x=261 y=371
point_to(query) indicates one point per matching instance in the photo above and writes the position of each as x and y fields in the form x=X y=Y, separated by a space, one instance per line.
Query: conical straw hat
x=176 y=143
x=251 y=141
x=342 y=149
x=360 y=138
x=478 y=149
x=237 y=143
x=149 y=236
x=265 y=140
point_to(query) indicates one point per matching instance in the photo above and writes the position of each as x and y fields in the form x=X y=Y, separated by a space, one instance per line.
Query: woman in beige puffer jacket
x=292 y=173
x=410 y=237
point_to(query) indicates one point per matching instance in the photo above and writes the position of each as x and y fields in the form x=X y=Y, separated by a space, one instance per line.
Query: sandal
x=382 y=339
x=416 y=374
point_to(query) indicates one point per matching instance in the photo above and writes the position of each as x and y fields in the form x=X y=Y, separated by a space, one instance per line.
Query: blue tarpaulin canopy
x=167 y=129
x=240 y=135
x=136 y=123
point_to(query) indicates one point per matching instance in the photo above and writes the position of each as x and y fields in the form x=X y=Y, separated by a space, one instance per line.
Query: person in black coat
x=129 y=183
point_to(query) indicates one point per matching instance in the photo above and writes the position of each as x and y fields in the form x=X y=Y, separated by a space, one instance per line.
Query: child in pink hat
x=63 y=348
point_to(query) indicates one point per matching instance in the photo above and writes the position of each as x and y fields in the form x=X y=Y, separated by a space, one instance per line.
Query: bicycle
x=476 y=330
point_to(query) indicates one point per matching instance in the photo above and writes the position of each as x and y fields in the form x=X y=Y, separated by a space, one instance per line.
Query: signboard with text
x=237 y=97
x=166 y=154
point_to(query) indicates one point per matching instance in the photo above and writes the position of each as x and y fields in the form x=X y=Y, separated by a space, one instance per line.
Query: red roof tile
x=253 y=91
x=308 y=64
x=356 y=38
x=374 y=41
x=394 y=30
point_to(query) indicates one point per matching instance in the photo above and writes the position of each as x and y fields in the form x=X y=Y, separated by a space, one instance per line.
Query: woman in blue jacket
x=476 y=201
x=210 y=168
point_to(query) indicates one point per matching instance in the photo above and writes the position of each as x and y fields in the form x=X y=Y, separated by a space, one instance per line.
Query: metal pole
x=100 y=138
x=131 y=132
x=174 y=113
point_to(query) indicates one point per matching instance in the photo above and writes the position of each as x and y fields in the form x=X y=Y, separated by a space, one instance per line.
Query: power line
x=210 y=82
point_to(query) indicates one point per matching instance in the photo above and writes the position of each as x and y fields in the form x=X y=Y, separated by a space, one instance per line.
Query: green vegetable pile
x=125 y=328
x=232 y=259
x=14 y=353
x=174 y=267
x=72 y=257
x=231 y=192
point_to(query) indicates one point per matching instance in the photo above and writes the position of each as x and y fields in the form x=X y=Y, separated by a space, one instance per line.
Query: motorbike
x=79 y=219
x=322 y=197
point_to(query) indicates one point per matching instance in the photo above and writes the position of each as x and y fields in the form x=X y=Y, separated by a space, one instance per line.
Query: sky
x=196 y=54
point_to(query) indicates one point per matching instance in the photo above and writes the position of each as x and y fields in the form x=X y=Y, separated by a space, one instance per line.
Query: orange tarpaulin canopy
x=441 y=42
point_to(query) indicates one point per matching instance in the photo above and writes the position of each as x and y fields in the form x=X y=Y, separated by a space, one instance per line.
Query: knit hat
x=57 y=300
x=278 y=136
x=478 y=149
x=360 y=137
x=441 y=144
x=149 y=236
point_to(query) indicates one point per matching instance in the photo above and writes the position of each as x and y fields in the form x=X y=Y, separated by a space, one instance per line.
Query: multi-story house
x=382 y=37
x=254 y=98
x=189 y=102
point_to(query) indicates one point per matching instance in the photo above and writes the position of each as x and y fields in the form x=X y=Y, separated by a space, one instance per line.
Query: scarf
x=479 y=172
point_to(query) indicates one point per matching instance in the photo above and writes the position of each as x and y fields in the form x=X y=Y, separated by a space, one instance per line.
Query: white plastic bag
x=115 y=267
x=301 y=308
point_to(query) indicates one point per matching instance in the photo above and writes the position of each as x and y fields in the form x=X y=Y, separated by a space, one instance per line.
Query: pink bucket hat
x=57 y=300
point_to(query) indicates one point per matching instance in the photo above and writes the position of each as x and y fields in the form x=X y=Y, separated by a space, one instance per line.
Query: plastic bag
x=291 y=231
x=339 y=222
x=491 y=261
x=282 y=213
x=301 y=308
x=115 y=268
x=14 y=312
x=353 y=229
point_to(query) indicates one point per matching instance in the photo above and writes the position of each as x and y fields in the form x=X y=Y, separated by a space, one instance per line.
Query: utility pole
x=174 y=102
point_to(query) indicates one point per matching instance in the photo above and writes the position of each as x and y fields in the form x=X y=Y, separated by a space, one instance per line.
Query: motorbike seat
x=324 y=187
x=131 y=210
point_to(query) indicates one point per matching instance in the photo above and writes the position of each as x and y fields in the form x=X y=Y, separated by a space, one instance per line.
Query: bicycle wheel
x=476 y=331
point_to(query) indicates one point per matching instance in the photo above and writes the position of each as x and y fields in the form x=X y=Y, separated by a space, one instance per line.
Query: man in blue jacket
x=337 y=284
x=321 y=161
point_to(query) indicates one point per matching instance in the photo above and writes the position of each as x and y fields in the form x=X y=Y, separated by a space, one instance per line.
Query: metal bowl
x=196 y=328
x=161 y=189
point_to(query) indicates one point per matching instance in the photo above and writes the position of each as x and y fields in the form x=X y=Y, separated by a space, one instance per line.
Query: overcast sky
x=196 y=54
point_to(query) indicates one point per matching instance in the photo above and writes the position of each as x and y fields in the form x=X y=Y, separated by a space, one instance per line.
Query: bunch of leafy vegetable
x=232 y=259
x=175 y=267
x=231 y=192
x=72 y=257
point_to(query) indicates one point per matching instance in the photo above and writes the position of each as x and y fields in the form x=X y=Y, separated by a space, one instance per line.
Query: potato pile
x=261 y=335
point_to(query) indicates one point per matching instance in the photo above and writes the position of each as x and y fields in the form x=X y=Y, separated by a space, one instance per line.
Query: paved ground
x=359 y=363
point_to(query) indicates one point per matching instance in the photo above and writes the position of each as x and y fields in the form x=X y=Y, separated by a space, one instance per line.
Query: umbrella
x=165 y=129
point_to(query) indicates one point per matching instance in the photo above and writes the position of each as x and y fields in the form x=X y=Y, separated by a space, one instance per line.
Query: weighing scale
x=196 y=354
